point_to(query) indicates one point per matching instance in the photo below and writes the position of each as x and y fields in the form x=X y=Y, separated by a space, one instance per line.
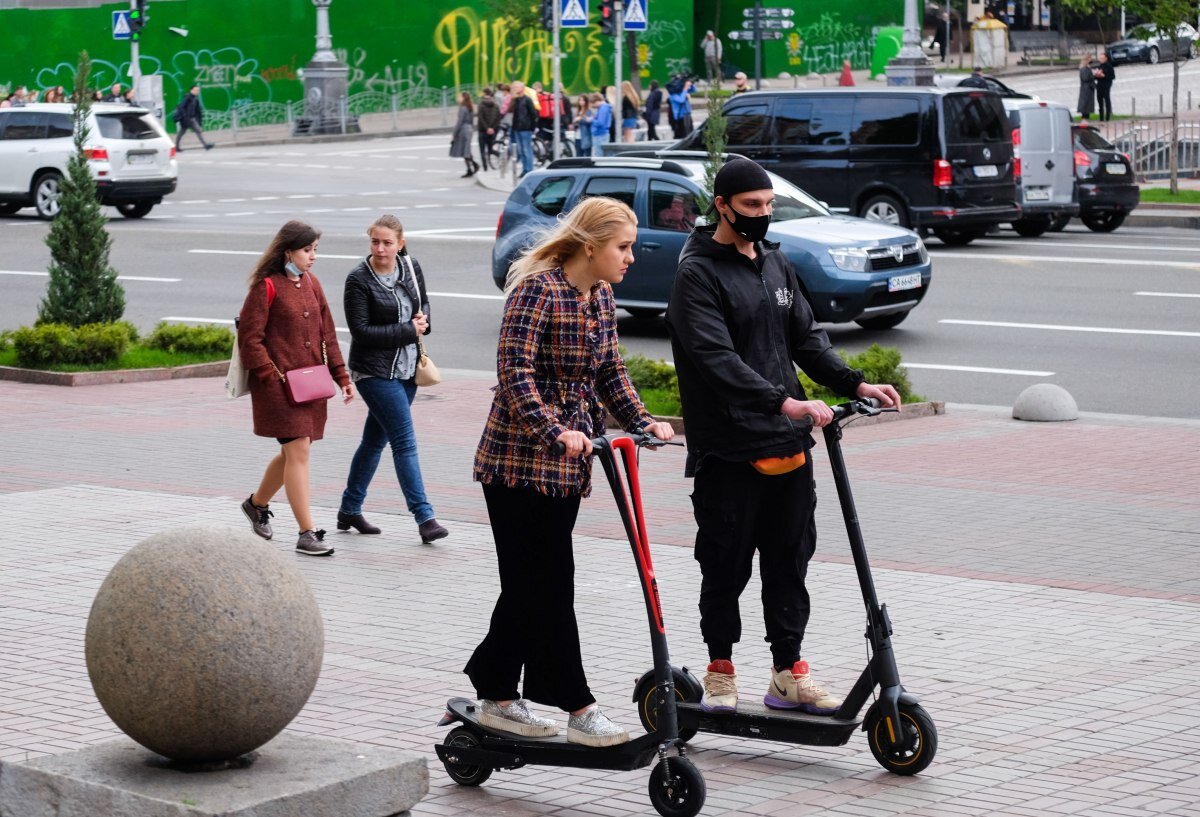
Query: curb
x=44 y=378
x=1183 y=219
x=330 y=137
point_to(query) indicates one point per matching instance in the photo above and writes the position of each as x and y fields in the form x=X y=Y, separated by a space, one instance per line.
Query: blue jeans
x=389 y=421
x=524 y=140
x=599 y=139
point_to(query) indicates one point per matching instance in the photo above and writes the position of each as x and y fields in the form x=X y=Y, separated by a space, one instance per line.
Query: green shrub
x=48 y=344
x=176 y=337
x=879 y=364
x=651 y=374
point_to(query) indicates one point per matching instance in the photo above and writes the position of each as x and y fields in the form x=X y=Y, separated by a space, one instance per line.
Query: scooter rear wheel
x=676 y=788
x=647 y=702
x=463 y=774
x=917 y=726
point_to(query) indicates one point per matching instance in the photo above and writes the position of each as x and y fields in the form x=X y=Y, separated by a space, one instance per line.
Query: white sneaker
x=593 y=728
x=794 y=688
x=720 y=687
x=515 y=717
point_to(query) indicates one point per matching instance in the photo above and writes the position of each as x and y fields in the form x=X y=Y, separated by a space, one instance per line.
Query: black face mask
x=751 y=228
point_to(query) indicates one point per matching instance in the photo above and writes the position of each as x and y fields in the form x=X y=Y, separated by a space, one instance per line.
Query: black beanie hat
x=739 y=176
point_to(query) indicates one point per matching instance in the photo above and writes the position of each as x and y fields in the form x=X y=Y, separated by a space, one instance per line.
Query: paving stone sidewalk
x=1042 y=579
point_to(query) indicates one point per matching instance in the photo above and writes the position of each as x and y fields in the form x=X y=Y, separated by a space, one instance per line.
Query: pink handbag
x=310 y=384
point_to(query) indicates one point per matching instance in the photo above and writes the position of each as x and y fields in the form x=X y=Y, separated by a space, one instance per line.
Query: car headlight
x=922 y=252
x=850 y=259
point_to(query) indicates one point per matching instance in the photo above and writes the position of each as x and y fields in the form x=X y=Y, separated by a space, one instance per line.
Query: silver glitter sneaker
x=515 y=717
x=259 y=516
x=311 y=543
x=593 y=728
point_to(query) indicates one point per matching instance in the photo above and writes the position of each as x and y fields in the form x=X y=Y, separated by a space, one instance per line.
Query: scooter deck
x=504 y=750
x=753 y=720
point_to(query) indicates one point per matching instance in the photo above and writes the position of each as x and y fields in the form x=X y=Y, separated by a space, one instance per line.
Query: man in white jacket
x=712 y=57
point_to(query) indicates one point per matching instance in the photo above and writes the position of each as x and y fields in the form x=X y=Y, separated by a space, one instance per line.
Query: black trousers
x=738 y=512
x=1104 y=100
x=533 y=624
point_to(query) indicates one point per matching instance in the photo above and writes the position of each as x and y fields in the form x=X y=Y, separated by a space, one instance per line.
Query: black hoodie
x=737 y=334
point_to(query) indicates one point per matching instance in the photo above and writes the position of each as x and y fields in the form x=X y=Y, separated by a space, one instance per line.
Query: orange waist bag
x=773 y=466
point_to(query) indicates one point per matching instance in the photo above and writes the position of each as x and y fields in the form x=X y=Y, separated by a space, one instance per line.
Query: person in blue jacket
x=681 y=108
x=599 y=120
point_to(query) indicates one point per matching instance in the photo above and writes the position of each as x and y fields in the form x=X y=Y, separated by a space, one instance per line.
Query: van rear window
x=975 y=117
x=126 y=126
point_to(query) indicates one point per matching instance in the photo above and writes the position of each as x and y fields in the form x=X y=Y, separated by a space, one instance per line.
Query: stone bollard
x=1046 y=403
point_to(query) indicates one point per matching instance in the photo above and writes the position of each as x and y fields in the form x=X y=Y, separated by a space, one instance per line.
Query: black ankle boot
x=345 y=521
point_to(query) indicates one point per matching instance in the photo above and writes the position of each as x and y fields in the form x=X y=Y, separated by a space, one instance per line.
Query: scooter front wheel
x=646 y=696
x=908 y=754
x=676 y=788
x=461 y=773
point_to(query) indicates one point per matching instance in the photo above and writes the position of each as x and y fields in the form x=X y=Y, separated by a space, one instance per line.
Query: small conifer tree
x=714 y=139
x=83 y=287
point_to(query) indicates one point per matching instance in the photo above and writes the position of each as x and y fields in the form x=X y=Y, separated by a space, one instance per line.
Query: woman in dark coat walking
x=284 y=325
x=1087 y=89
x=460 y=142
x=487 y=123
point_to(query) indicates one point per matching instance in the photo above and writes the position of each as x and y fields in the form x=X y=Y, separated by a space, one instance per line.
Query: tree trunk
x=1175 y=125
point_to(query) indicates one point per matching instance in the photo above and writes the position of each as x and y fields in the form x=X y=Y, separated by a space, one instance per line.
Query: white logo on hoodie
x=783 y=297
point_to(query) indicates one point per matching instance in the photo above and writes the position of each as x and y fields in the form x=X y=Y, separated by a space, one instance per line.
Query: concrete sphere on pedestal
x=203 y=643
x=1045 y=403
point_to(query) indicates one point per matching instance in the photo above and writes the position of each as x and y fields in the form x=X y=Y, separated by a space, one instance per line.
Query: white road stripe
x=119 y=277
x=266 y=198
x=221 y=321
x=243 y=213
x=468 y=295
x=257 y=252
x=1170 y=294
x=1061 y=328
x=1129 y=262
x=1089 y=246
x=980 y=369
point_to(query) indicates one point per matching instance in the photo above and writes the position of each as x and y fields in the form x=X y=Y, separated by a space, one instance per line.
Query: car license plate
x=140 y=159
x=1114 y=168
x=986 y=171
x=1037 y=194
x=898 y=283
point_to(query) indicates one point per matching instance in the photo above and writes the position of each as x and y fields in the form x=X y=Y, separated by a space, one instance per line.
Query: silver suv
x=130 y=156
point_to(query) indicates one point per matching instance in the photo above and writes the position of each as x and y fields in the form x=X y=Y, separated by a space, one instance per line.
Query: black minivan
x=933 y=159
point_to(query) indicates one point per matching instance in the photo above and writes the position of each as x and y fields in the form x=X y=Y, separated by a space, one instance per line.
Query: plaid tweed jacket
x=558 y=369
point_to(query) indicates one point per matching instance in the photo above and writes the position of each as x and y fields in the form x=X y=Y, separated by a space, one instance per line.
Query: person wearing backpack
x=188 y=116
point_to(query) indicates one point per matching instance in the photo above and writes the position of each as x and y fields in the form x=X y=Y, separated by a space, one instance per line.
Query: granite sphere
x=203 y=643
x=1045 y=403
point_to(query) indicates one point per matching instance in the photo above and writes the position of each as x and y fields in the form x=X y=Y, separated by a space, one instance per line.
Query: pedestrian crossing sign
x=120 y=25
x=574 y=13
x=635 y=15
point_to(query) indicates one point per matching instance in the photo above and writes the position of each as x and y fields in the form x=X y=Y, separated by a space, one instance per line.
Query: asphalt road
x=1114 y=319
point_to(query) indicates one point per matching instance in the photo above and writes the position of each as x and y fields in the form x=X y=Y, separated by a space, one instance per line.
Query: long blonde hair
x=593 y=221
x=629 y=93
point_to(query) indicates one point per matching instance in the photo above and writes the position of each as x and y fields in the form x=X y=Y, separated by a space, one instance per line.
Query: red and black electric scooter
x=471 y=751
x=900 y=732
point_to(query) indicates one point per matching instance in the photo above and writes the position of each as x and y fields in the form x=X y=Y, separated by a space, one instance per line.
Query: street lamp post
x=325 y=81
x=910 y=66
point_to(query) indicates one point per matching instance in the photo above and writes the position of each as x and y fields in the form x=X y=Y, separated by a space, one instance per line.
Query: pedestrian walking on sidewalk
x=559 y=369
x=285 y=324
x=487 y=125
x=583 y=126
x=1086 y=104
x=460 y=140
x=188 y=115
x=653 y=114
x=387 y=310
x=1105 y=74
x=735 y=354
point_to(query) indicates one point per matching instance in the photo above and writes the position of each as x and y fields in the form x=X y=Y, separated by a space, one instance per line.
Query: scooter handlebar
x=642 y=440
x=866 y=406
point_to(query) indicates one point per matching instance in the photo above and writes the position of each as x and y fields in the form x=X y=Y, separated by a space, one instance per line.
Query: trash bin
x=888 y=42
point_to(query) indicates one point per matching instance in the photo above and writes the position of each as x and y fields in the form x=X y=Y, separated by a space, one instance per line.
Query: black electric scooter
x=471 y=751
x=900 y=732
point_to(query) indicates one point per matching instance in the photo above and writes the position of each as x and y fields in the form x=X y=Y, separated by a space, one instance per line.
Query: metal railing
x=1147 y=143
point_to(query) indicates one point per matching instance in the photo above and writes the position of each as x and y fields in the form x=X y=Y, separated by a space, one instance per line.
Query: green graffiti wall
x=246 y=51
x=825 y=34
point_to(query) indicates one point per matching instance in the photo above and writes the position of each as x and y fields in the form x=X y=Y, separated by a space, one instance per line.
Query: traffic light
x=608 y=18
x=138 y=19
x=548 y=14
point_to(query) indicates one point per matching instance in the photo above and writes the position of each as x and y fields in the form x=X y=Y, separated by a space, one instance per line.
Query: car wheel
x=885 y=209
x=1103 y=222
x=7 y=208
x=135 y=209
x=1057 y=225
x=46 y=190
x=1152 y=56
x=883 y=321
x=1032 y=227
x=958 y=236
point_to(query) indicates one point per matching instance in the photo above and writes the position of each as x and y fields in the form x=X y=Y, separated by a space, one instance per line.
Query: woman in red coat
x=285 y=324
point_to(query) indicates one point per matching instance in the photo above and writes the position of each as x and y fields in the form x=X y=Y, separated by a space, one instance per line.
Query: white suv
x=130 y=156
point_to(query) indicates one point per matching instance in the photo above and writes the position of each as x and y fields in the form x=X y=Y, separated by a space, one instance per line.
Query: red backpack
x=545 y=105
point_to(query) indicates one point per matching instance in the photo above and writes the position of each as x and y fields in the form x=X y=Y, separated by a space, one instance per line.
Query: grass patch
x=136 y=357
x=1163 y=195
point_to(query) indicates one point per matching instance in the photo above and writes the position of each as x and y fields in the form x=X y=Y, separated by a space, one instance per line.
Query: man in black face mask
x=739 y=327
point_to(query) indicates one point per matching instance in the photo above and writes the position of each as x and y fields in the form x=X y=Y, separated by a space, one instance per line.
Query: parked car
x=1153 y=47
x=1107 y=189
x=129 y=154
x=993 y=84
x=850 y=269
x=1044 y=163
x=936 y=159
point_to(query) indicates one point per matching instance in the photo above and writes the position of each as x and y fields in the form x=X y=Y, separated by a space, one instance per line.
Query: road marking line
x=222 y=321
x=1170 y=294
x=200 y=215
x=356 y=209
x=1090 y=246
x=119 y=277
x=1061 y=328
x=302 y=196
x=256 y=252
x=1059 y=258
x=243 y=213
x=191 y=201
x=229 y=201
x=266 y=198
x=468 y=295
x=980 y=369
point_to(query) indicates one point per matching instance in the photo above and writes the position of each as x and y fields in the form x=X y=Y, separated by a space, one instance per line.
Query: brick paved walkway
x=1043 y=580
